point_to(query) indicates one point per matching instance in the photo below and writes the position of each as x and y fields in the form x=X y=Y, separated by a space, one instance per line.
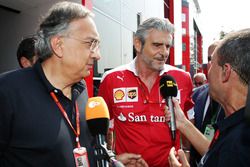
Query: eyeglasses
x=94 y=43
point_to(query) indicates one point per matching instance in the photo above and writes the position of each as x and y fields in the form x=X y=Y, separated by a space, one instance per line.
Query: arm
x=196 y=138
x=189 y=112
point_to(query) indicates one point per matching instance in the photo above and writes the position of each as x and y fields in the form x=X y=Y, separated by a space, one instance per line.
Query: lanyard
x=216 y=114
x=216 y=136
x=77 y=131
x=145 y=94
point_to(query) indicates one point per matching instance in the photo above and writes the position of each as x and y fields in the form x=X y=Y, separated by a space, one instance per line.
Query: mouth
x=160 y=60
x=89 y=66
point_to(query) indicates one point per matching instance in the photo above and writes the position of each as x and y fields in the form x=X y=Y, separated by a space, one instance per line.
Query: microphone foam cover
x=168 y=86
x=97 y=116
x=96 y=108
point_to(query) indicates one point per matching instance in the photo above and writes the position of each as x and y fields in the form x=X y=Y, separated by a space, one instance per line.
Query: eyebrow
x=161 y=43
x=93 y=38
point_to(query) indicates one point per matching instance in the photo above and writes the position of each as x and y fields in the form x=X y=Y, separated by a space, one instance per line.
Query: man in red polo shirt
x=132 y=94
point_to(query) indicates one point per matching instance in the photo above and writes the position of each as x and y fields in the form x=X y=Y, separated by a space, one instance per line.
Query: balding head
x=199 y=79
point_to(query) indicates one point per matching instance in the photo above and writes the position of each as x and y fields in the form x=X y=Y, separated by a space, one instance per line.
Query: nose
x=165 y=50
x=95 y=55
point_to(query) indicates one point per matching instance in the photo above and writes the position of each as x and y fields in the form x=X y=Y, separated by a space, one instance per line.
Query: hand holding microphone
x=180 y=119
x=168 y=89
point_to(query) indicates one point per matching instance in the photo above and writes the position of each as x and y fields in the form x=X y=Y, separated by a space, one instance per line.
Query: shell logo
x=119 y=94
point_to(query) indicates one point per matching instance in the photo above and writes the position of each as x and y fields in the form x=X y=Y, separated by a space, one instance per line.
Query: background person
x=199 y=79
x=26 y=52
x=197 y=91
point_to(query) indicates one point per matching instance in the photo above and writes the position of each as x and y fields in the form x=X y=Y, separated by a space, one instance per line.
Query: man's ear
x=56 y=45
x=137 y=44
x=226 y=72
x=25 y=62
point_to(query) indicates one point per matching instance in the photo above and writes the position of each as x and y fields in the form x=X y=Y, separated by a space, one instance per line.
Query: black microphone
x=97 y=117
x=168 y=89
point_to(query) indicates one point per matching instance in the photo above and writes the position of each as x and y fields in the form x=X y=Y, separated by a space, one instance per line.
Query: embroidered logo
x=121 y=117
x=136 y=117
x=119 y=95
x=132 y=94
x=125 y=94
x=118 y=77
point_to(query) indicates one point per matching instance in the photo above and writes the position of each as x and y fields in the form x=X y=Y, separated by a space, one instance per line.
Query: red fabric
x=141 y=128
x=89 y=79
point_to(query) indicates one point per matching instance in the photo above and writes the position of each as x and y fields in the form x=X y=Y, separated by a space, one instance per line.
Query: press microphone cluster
x=97 y=117
x=168 y=89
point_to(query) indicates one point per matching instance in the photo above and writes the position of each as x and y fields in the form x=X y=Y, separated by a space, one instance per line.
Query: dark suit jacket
x=197 y=91
x=199 y=107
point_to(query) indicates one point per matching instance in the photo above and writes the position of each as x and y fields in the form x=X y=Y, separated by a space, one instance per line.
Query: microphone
x=168 y=89
x=97 y=117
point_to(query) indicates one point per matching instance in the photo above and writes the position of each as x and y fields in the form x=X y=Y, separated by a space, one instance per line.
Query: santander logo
x=132 y=117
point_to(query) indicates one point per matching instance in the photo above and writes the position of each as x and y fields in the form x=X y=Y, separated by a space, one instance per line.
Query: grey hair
x=57 y=22
x=235 y=50
x=200 y=74
x=153 y=23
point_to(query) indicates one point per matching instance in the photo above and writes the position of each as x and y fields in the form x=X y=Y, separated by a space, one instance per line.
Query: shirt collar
x=131 y=67
x=232 y=120
x=77 y=88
